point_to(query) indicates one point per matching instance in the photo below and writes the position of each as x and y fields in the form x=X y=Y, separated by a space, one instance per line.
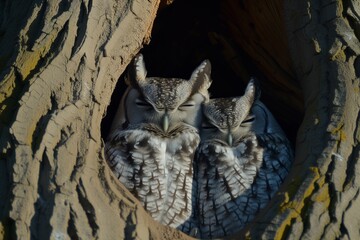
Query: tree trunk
x=321 y=198
x=59 y=64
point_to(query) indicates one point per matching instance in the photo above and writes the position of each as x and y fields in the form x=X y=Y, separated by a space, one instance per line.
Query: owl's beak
x=229 y=138
x=165 y=122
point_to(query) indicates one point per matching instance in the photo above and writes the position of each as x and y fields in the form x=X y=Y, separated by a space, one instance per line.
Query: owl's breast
x=157 y=168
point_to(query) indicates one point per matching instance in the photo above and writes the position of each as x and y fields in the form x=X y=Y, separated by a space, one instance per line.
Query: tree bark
x=321 y=197
x=59 y=63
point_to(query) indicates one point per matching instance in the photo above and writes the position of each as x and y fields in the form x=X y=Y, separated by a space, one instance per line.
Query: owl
x=153 y=139
x=242 y=159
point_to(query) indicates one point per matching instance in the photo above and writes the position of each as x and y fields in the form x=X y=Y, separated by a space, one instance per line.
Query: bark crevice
x=88 y=209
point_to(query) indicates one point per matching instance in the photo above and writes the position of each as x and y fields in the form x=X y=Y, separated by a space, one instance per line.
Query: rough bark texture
x=60 y=61
x=321 y=198
x=59 y=64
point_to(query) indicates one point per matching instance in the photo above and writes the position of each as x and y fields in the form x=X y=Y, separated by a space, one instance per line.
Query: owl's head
x=227 y=120
x=166 y=102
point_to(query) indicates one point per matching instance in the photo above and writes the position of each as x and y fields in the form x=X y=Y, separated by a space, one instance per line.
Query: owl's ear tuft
x=137 y=72
x=253 y=89
x=201 y=78
x=245 y=102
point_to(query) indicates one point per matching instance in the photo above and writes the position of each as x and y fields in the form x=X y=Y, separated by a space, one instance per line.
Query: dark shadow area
x=187 y=32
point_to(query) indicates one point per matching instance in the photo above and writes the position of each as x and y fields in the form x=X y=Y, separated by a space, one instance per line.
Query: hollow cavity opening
x=242 y=39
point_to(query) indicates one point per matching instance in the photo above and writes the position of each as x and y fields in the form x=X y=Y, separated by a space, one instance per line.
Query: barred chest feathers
x=154 y=137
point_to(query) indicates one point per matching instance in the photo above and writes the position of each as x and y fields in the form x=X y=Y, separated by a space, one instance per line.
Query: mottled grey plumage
x=242 y=159
x=153 y=140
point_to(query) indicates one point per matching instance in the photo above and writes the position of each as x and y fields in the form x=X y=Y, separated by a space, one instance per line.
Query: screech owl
x=153 y=140
x=242 y=159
